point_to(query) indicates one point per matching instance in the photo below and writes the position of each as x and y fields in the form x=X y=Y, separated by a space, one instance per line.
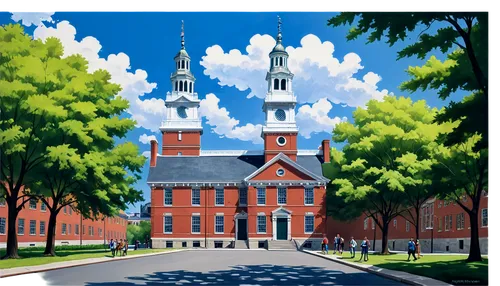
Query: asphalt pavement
x=208 y=267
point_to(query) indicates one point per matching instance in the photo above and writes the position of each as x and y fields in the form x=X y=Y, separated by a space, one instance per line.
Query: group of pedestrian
x=119 y=248
x=339 y=246
x=413 y=246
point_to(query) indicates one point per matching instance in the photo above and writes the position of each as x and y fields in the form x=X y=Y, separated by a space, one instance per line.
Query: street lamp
x=431 y=228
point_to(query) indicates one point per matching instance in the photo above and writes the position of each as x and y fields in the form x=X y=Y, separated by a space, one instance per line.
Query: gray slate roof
x=217 y=168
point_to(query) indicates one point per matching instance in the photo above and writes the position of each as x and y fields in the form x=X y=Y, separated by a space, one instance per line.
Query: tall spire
x=279 y=30
x=182 y=35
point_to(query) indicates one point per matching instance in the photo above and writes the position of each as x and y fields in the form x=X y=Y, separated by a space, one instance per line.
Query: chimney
x=325 y=145
x=154 y=153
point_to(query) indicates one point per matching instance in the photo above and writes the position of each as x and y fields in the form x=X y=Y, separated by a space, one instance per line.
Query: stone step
x=241 y=244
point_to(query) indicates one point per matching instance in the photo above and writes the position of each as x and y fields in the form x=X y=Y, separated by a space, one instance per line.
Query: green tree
x=26 y=114
x=385 y=159
x=463 y=37
x=139 y=232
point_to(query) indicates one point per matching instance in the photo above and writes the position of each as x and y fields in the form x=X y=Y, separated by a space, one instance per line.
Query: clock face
x=281 y=141
x=181 y=111
x=280 y=115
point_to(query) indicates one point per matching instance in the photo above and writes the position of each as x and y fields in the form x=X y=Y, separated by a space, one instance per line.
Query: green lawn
x=449 y=268
x=35 y=257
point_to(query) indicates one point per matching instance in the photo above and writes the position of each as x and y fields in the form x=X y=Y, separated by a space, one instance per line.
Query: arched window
x=186 y=86
x=283 y=84
x=190 y=87
x=182 y=63
x=178 y=65
x=275 y=61
x=176 y=85
x=276 y=84
x=180 y=86
x=281 y=61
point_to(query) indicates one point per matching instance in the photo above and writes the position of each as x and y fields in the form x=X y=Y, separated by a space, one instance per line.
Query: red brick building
x=216 y=198
x=445 y=224
x=71 y=229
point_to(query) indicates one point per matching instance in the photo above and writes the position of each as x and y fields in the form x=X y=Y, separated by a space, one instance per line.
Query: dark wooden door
x=242 y=229
x=282 y=229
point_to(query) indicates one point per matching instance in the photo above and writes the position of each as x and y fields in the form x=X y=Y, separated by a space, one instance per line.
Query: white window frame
x=69 y=228
x=215 y=224
x=305 y=223
x=4 y=220
x=407 y=226
x=32 y=207
x=77 y=229
x=192 y=196
x=261 y=215
x=199 y=223
x=165 y=197
x=218 y=189
x=64 y=229
x=278 y=195
x=482 y=217
x=440 y=224
x=34 y=233
x=171 y=223
x=373 y=223
x=264 y=191
x=311 y=189
x=40 y=228
x=19 y=220
x=365 y=224
x=245 y=190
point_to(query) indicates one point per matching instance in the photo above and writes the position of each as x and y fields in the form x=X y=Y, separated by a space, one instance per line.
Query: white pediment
x=281 y=211
x=241 y=214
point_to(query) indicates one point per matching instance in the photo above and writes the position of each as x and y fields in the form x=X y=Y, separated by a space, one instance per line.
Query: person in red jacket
x=324 y=245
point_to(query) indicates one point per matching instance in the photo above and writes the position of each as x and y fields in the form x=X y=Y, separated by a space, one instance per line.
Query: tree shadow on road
x=255 y=275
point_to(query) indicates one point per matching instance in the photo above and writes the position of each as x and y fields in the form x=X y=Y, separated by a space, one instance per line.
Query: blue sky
x=149 y=41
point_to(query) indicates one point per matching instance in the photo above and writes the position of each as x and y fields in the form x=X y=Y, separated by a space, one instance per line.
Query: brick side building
x=445 y=224
x=71 y=229
x=216 y=198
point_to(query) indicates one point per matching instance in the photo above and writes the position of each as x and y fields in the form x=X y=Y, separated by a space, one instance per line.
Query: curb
x=85 y=263
x=380 y=272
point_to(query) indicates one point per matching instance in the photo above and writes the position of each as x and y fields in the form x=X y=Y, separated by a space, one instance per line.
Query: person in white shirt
x=352 y=247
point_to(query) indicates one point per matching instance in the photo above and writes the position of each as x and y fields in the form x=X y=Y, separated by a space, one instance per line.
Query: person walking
x=324 y=245
x=120 y=248
x=336 y=244
x=418 y=248
x=125 y=247
x=341 y=246
x=352 y=247
x=112 y=247
x=365 y=244
x=411 y=249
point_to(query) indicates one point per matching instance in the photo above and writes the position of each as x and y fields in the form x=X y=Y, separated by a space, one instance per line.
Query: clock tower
x=181 y=130
x=280 y=129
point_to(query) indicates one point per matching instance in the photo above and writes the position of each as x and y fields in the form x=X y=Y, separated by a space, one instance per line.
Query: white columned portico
x=240 y=215
x=281 y=212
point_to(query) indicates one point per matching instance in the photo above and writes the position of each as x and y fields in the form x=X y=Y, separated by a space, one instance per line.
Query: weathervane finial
x=279 y=29
x=182 y=34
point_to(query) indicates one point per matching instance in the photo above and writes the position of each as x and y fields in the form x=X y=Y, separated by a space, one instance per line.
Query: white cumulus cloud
x=226 y=126
x=314 y=118
x=147 y=112
x=32 y=18
x=318 y=74
x=146 y=139
x=146 y=154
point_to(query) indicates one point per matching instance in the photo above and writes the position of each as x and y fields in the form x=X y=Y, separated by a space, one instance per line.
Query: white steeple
x=182 y=103
x=280 y=102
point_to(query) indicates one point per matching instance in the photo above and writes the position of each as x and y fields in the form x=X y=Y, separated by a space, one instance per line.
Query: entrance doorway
x=282 y=229
x=242 y=229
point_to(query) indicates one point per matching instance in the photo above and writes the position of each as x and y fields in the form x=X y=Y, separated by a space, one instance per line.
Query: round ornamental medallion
x=280 y=115
x=281 y=141
x=280 y=172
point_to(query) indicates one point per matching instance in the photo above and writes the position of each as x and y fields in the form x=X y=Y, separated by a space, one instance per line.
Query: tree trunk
x=474 y=250
x=385 y=234
x=12 y=247
x=51 y=235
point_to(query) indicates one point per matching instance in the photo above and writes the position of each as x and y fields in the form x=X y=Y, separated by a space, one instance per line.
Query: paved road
x=214 y=267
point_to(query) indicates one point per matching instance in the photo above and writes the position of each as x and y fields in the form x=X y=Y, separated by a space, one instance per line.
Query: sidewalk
x=399 y=276
x=67 y=264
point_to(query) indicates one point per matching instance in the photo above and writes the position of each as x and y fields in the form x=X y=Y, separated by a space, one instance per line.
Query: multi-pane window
x=100 y=232
x=70 y=210
x=20 y=226
x=261 y=196
x=65 y=209
x=243 y=196
x=309 y=196
x=69 y=228
x=448 y=222
x=195 y=197
x=261 y=224
x=32 y=227
x=373 y=223
x=309 y=223
x=440 y=224
x=32 y=204
x=219 y=224
x=42 y=228
x=365 y=224
x=281 y=196
x=484 y=217
x=460 y=221
x=195 y=224
x=77 y=229
x=43 y=207
x=168 y=196
x=167 y=224
x=64 y=228
x=219 y=196
x=3 y=223
x=407 y=226
x=395 y=223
